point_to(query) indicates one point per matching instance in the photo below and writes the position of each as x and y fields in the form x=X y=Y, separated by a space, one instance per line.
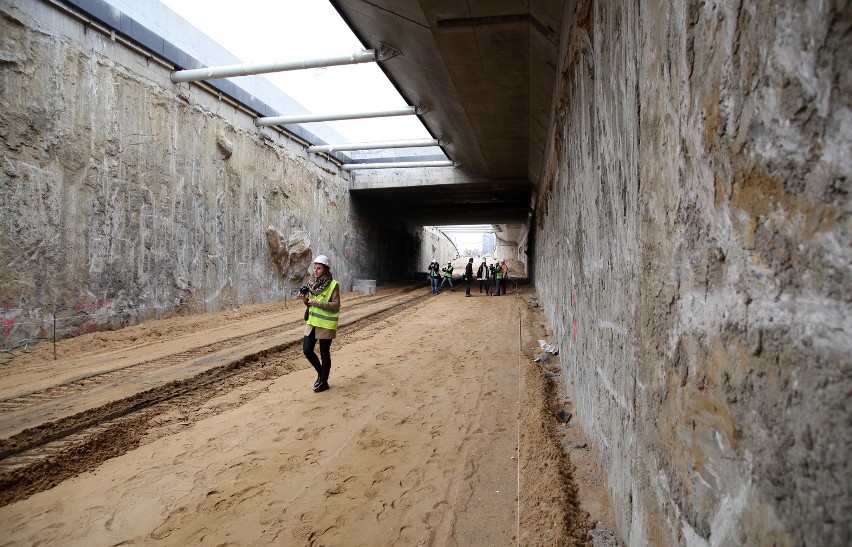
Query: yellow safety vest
x=324 y=319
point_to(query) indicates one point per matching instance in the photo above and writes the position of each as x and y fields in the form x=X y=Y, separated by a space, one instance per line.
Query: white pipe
x=353 y=166
x=465 y=228
x=378 y=145
x=247 y=69
x=309 y=118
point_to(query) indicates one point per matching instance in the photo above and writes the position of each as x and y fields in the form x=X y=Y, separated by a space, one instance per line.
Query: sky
x=259 y=31
x=466 y=241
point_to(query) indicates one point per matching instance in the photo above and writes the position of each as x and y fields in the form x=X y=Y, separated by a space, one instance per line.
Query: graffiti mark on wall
x=96 y=310
x=9 y=320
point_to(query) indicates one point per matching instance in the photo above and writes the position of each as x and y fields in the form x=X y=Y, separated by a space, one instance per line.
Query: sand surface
x=416 y=443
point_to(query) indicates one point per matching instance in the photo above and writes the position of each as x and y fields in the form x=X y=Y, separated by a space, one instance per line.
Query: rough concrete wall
x=434 y=244
x=586 y=248
x=124 y=195
x=506 y=250
x=384 y=251
x=693 y=250
x=525 y=246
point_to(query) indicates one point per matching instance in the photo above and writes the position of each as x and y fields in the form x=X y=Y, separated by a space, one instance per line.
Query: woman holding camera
x=322 y=299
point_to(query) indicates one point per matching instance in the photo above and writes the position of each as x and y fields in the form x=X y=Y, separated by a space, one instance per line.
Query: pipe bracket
x=385 y=52
x=423 y=108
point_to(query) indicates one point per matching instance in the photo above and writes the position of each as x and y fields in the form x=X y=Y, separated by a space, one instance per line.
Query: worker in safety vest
x=435 y=276
x=448 y=276
x=505 y=270
x=322 y=297
x=498 y=279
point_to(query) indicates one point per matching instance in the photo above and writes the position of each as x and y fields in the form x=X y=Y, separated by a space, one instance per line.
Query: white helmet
x=322 y=259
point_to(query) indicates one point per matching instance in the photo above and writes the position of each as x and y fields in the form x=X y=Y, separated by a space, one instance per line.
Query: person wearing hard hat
x=505 y=270
x=322 y=297
x=448 y=276
x=498 y=278
x=435 y=276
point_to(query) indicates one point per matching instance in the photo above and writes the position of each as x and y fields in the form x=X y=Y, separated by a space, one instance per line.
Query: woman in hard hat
x=323 y=302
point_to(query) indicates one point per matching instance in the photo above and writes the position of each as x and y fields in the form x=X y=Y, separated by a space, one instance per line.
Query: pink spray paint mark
x=574 y=321
x=8 y=325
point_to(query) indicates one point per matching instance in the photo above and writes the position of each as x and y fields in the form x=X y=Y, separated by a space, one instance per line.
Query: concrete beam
x=494 y=202
x=423 y=177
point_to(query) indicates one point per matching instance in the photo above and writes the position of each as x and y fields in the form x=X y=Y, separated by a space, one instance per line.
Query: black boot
x=325 y=370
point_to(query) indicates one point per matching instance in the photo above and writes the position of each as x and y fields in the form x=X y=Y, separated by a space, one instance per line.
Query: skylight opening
x=475 y=240
x=261 y=31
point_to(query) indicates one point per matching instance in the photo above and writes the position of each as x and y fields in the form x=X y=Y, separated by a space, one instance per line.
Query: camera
x=303 y=290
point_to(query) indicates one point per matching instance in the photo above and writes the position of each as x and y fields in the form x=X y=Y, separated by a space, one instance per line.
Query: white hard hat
x=322 y=259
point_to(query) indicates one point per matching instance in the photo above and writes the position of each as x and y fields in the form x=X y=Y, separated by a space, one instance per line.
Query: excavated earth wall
x=123 y=195
x=692 y=247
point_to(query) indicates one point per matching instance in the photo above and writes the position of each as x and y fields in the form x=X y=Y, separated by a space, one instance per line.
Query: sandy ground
x=438 y=428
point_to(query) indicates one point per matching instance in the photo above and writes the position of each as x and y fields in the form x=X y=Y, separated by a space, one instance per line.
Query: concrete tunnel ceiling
x=487 y=67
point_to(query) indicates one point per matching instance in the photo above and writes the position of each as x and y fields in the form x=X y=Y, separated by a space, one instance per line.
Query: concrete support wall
x=506 y=250
x=123 y=195
x=435 y=244
x=692 y=247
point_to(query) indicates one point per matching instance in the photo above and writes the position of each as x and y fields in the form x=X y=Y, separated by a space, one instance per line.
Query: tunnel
x=672 y=176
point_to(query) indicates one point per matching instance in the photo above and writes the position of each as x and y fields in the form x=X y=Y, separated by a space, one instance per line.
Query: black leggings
x=308 y=344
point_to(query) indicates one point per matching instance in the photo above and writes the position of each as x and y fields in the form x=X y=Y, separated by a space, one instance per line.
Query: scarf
x=318 y=284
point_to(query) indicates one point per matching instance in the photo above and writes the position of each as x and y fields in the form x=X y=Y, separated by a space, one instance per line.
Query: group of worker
x=497 y=272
